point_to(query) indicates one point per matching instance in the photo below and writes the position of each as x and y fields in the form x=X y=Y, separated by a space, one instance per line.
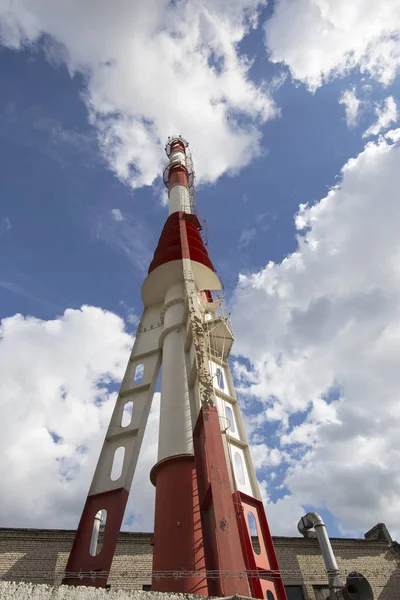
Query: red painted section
x=169 y=245
x=80 y=559
x=206 y=296
x=178 y=544
x=222 y=548
x=263 y=562
x=180 y=238
x=177 y=145
x=178 y=174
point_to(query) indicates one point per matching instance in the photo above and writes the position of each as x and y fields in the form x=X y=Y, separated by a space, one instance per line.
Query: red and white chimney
x=208 y=508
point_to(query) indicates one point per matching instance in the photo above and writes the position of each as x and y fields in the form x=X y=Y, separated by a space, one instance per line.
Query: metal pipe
x=314 y=520
x=95 y=533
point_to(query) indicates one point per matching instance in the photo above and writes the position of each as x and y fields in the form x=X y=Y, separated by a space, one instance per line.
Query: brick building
x=40 y=555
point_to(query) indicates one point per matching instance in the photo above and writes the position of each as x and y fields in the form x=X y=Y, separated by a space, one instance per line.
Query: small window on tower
x=251 y=520
x=220 y=378
x=139 y=371
x=127 y=414
x=239 y=471
x=229 y=416
x=118 y=463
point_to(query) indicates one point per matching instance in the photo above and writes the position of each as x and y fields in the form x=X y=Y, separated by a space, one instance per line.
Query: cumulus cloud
x=154 y=69
x=264 y=456
x=351 y=106
x=319 y=39
x=55 y=378
x=393 y=135
x=324 y=342
x=386 y=112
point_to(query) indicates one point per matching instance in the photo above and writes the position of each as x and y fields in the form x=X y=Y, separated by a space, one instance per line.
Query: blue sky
x=82 y=209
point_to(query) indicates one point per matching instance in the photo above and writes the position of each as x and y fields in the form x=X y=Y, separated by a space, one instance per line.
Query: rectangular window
x=146 y=587
x=294 y=592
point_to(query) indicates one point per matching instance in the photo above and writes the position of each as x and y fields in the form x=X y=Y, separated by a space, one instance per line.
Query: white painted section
x=219 y=377
x=226 y=409
x=118 y=463
x=175 y=433
x=205 y=278
x=177 y=157
x=145 y=351
x=157 y=283
x=240 y=469
x=220 y=408
x=179 y=199
x=229 y=411
x=164 y=325
x=236 y=441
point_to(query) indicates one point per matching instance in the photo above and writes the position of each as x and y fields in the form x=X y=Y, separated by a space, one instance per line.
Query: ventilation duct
x=357 y=587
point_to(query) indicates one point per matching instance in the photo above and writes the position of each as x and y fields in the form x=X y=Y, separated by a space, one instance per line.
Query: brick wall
x=301 y=563
x=40 y=556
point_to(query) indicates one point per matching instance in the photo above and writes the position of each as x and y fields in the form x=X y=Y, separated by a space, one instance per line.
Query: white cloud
x=247 y=236
x=154 y=69
x=324 y=341
x=164 y=197
x=117 y=214
x=130 y=313
x=263 y=456
x=322 y=39
x=54 y=378
x=351 y=106
x=15 y=288
x=129 y=235
x=132 y=319
x=386 y=112
x=5 y=224
x=393 y=135
x=284 y=514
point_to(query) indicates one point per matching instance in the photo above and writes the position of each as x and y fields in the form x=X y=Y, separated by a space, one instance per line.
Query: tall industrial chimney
x=208 y=510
